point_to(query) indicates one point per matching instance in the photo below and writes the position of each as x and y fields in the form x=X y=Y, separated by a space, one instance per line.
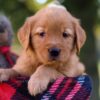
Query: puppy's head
x=53 y=34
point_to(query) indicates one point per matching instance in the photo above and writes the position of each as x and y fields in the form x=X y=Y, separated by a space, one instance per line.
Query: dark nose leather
x=54 y=52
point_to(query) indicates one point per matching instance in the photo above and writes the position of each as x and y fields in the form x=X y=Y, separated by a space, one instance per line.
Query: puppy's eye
x=42 y=34
x=65 y=34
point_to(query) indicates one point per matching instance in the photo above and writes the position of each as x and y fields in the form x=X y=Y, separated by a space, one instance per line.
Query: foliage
x=16 y=11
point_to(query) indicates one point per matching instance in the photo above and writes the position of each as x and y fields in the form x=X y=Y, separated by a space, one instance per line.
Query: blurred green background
x=88 y=11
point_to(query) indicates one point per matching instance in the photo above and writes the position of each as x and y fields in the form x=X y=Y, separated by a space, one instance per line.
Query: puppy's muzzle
x=54 y=53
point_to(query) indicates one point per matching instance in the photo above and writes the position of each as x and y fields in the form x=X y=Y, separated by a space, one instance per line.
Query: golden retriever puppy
x=51 y=40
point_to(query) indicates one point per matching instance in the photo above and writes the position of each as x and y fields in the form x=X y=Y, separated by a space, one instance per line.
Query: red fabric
x=68 y=82
x=5 y=50
x=6 y=91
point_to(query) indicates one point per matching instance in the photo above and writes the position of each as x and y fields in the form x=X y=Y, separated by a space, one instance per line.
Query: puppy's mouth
x=53 y=59
x=52 y=62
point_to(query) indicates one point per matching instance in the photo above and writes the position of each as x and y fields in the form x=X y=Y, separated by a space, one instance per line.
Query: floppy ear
x=24 y=34
x=80 y=36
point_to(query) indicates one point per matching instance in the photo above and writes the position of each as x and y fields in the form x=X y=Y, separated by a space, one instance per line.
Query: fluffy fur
x=40 y=32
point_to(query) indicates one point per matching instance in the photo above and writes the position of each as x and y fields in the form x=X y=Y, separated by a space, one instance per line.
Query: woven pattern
x=65 y=88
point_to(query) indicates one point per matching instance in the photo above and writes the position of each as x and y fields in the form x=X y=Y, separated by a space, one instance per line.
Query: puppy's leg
x=24 y=66
x=40 y=79
x=5 y=74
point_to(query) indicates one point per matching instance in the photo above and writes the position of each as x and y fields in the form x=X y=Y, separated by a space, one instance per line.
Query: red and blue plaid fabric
x=65 y=88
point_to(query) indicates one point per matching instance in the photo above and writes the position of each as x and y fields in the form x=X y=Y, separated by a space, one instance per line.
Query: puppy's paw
x=37 y=85
x=4 y=75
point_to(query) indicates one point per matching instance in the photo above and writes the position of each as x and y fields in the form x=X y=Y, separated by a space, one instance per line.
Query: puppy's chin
x=54 y=63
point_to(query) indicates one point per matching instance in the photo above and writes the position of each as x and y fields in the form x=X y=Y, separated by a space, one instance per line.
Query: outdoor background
x=88 y=11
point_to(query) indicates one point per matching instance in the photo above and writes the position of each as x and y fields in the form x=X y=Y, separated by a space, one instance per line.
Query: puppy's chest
x=64 y=69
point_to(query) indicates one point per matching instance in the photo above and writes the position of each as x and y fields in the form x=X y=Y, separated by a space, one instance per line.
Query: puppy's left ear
x=80 y=36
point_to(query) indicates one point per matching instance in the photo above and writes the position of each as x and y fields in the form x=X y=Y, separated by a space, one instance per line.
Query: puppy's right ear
x=24 y=34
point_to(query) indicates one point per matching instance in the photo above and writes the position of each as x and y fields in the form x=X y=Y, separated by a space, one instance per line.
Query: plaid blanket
x=65 y=88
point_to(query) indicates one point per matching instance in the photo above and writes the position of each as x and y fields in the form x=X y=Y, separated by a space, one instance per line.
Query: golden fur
x=35 y=62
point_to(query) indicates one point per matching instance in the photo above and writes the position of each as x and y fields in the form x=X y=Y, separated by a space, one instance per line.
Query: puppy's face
x=53 y=34
x=53 y=38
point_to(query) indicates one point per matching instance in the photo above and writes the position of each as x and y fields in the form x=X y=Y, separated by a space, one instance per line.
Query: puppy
x=51 y=40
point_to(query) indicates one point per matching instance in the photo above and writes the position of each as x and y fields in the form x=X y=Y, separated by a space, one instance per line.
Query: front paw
x=37 y=85
x=4 y=75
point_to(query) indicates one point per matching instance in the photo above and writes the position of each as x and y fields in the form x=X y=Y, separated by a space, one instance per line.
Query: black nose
x=54 y=52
